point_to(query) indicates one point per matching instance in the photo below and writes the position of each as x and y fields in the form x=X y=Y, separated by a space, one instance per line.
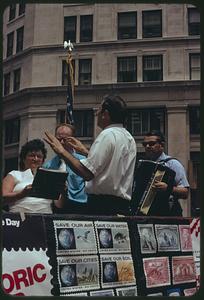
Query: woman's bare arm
x=9 y=196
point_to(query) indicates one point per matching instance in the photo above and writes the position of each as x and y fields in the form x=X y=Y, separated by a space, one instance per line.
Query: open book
x=48 y=183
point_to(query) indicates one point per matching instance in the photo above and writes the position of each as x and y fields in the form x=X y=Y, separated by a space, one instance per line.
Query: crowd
x=99 y=180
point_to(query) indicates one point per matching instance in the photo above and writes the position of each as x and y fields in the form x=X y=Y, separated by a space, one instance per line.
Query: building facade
x=149 y=54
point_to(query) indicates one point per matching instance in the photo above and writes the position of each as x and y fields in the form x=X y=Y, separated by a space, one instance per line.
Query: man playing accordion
x=167 y=199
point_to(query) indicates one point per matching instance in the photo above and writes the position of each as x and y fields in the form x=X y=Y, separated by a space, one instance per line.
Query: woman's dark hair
x=116 y=107
x=32 y=145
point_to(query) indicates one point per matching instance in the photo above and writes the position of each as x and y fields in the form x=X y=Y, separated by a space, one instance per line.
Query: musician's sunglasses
x=151 y=144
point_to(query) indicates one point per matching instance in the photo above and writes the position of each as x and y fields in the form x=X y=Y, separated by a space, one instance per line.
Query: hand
x=54 y=143
x=77 y=145
x=160 y=185
x=25 y=192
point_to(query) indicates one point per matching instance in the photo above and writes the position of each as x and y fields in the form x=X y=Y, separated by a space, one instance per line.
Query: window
x=127 y=69
x=10 y=37
x=12 y=131
x=10 y=165
x=152 y=68
x=6 y=84
x=70 y=29
x=16 y=80
x=86 y=28
x=65 y=70
x=142 y=121
x=85 y=68
x=194 y=62
x=19 y=39
x=21 y=9
x=84 y=122
x=127 y=25
x=12 y=12
x=193 y=21
x=151 y=23
x=194 y=120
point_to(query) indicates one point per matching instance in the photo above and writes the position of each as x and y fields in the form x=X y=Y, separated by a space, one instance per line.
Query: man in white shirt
x=109 y=166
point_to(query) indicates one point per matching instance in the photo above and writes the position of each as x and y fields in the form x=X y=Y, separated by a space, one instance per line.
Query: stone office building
x=147 y=53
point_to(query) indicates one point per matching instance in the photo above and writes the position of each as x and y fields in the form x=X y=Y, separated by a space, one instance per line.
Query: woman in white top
x=17 y=184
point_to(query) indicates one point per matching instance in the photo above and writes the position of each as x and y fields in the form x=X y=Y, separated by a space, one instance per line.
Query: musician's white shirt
x=180 y=178
x=111 y=159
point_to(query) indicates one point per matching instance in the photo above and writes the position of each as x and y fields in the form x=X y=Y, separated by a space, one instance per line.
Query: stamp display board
x=66 y=255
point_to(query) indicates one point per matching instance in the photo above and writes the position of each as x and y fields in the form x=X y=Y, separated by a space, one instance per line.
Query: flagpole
x=70 y=84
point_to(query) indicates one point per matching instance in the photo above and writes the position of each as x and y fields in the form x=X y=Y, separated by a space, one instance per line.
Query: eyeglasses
x=34 y=155
x=151 y=144
x=61 y=139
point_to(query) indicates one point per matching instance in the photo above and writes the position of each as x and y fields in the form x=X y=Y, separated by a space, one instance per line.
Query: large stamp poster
x=26 y=273
x=78 y=273
x=25 y=265
x=157 y=271
x=183 y=269
x=117 y=270
x=112 y=237
x=74 y=237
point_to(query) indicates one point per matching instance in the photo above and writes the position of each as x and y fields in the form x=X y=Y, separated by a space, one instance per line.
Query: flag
x=70 y=90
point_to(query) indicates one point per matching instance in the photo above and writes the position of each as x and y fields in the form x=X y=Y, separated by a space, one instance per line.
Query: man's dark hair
x=32 y=145
x=116 y=107
x=157 y=133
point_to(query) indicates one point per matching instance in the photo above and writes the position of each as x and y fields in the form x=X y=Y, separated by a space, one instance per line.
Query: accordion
x=146 y=199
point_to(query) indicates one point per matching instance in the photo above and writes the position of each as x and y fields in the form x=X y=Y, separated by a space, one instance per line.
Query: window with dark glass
x=86 y=28
x=16 y=80
x=10 y=165
x=85 y=70
x=83 y=122
x=152 y=68
x=141 y=121
x=6 y=84
x=193 y=21
x=12 y=12
x=194 y=62
x=65 y=71
x=21 y=9
x=127 y=69
x=127 y=25
x=151 y=23
x=12 y=131
x=19 y=39
x=70 y=29
x=10 y=38
x=194 y=120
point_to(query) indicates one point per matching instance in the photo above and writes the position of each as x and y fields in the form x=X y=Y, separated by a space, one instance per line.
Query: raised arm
x=77 y=145
x=74 y=163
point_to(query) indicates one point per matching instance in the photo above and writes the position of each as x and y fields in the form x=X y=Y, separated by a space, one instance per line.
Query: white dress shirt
x=111 y=159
